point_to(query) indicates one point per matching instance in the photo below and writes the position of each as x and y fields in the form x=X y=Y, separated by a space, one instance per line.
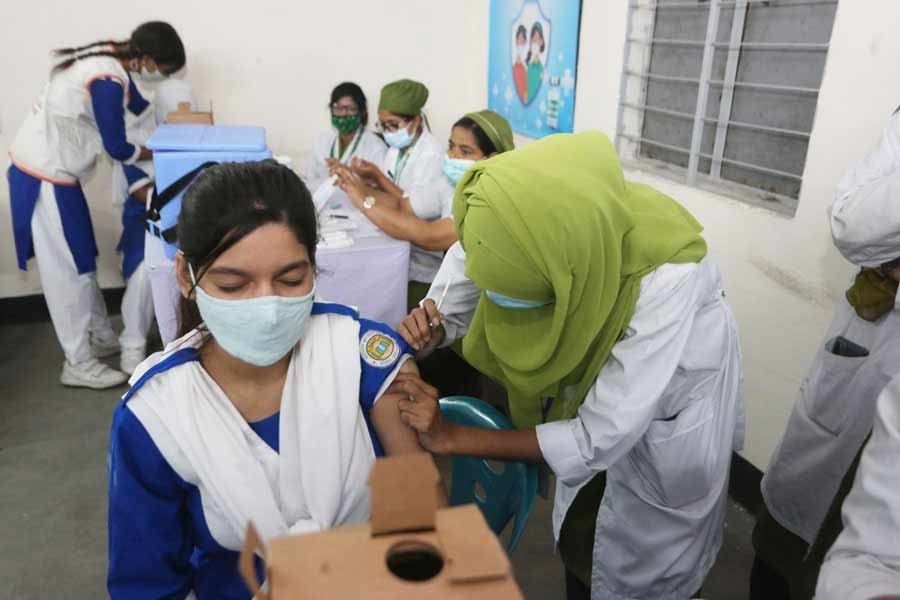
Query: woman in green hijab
x=591 y=299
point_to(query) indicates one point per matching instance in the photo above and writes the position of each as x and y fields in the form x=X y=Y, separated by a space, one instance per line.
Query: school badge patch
x=378 y=350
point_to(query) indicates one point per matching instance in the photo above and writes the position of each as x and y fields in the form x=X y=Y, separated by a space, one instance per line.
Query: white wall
x=268 y=62
x=782 y=274
x=273 y=64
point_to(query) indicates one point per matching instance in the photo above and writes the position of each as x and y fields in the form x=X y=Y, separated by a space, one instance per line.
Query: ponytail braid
x=155 y=39
x=59 y=52
x=117 y=54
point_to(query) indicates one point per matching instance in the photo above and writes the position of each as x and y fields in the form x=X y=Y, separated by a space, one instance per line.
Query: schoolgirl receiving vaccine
x=269 y=408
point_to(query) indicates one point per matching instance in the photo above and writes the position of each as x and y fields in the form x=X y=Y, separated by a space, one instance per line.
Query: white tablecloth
x=371 y=275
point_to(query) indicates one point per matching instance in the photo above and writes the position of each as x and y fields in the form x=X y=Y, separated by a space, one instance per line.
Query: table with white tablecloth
x=371 y=275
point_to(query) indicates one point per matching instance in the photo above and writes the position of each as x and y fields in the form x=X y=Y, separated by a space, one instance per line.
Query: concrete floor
x=53 y=443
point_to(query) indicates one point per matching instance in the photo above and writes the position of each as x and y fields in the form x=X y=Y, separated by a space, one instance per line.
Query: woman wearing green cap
x=474 y=137
x=592 y=301
x=410 y=179
x=346 y=139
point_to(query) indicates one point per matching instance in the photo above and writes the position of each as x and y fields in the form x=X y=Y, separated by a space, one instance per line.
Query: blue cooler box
x=180 y=149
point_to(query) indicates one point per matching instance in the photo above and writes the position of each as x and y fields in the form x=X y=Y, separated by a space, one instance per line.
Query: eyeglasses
x=344 y=109
x=382 y=127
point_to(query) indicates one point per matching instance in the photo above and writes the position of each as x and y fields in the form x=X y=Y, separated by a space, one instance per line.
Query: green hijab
x=495 y=127
x=556 y=222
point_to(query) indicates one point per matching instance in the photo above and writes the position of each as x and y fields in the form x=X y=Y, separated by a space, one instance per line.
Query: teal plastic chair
x=502 y=495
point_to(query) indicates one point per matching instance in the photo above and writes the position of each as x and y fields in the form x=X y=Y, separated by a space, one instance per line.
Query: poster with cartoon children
x=532 y=64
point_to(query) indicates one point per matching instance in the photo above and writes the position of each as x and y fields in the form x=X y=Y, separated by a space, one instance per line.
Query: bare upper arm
x=395 y=436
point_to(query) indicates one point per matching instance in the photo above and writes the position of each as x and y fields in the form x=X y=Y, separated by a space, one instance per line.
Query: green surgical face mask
x=345 y=123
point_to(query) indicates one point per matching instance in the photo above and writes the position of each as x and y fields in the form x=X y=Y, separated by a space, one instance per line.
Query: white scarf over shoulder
x=317 y=481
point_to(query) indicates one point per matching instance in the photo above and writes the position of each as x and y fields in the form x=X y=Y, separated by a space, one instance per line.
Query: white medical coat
x=864 y=562
x=422 y=180
x=315 y=171
x=662 y=420
x=833 y=413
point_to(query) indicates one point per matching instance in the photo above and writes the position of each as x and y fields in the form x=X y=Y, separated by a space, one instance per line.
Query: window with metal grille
x=724 y=92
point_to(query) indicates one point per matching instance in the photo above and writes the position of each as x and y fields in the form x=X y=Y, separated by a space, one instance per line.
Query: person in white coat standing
x=411 y=177
x=347 y=138
x=592 y=300
x=864 y=562
x=834 y=413
x=79 y=115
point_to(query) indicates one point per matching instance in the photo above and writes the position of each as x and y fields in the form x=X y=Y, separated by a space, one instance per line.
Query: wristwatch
x=369 y=202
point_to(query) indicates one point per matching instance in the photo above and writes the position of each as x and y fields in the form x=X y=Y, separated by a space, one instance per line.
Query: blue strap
x=154 y=229
x=180 y=357
x=330 y=308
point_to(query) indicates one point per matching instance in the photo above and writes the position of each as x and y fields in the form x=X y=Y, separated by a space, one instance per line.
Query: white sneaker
x=101 y=348
x=131 y=358
x=91 y=374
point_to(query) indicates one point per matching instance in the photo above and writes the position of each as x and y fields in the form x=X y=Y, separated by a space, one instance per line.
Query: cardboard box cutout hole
x=414 y=560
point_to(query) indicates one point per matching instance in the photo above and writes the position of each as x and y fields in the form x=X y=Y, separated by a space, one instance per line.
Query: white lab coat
x=422 y=180
x=446 y=193
x=833 y=413
x=865 y=222
x=662 y=420
x=326 y=145
x=864 y=562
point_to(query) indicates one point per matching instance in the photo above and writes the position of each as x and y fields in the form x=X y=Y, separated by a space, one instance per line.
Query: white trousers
x=76 y=305
x=137 y=309
x=164 y=287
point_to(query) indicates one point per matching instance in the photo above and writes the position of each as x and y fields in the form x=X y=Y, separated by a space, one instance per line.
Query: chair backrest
x=502 y=490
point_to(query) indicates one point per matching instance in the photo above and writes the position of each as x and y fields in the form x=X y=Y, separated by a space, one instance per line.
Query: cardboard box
x=185 y=116
x=410 y=549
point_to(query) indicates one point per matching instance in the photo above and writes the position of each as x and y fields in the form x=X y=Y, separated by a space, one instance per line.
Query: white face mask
x=522 y=51
x=149 y=77
x=260 y=331
x=399 y=139
x=455 y=168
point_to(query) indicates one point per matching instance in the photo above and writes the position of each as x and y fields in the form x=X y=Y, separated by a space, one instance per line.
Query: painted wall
x=276 y=64
x=782 y=275
x=271 y=64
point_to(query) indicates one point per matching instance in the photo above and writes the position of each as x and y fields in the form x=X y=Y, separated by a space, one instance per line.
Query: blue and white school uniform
x=188 y=473
x=137 y=303
x=79 y=115
x=168 y=94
